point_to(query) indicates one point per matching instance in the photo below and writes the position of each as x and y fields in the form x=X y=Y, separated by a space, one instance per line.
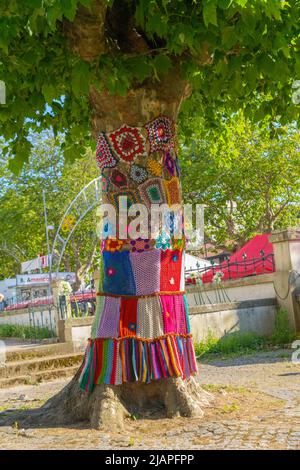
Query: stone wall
x=252 y=316
x=247 y=288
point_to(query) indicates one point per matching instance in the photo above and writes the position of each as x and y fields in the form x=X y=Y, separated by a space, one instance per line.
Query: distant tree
x=22 y=211
x=247 y=176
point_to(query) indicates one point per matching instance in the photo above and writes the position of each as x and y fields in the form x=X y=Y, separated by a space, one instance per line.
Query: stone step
x=27 y=353
x=38 y=364
x=37 y=377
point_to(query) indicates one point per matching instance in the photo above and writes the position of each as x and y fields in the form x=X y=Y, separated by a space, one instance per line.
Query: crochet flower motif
x=169 y=164
x=162 y=242
x=138 y=174
x=111 y=271
x=114 y=244
x=140 y=245
x=104 y=154
x=132 y=326
x=160 y=133
x=128 y=143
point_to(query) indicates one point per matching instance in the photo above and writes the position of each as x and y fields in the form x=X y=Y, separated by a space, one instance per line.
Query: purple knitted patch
x=109 y=322
x=146 y=271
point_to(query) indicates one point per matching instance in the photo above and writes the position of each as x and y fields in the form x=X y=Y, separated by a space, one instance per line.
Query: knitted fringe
x=113 y=361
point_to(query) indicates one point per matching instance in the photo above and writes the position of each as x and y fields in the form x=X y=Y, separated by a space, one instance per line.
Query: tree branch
x=86 y=34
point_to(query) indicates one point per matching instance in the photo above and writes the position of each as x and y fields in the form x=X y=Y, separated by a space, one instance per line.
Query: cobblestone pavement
x=256 y=405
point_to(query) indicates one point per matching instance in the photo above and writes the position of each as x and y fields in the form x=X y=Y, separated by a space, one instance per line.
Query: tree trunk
x=140 y=357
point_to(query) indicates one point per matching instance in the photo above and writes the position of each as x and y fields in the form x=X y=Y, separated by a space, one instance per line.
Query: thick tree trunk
x=171 y=388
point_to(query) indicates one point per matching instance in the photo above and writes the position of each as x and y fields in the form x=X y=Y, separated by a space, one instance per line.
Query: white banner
x=32 y=279
x=37 y=263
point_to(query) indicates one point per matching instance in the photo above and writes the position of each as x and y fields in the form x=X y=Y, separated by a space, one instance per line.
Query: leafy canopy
x=21 y=207
x=232 y=52
x=248 y=176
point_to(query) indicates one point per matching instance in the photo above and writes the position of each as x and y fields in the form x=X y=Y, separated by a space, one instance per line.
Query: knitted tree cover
x=141 y=328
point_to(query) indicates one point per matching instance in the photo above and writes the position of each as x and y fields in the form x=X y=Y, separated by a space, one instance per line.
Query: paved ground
x=256 y=405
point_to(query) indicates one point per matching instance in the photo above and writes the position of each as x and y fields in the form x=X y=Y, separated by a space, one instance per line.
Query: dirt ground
x=255 y=405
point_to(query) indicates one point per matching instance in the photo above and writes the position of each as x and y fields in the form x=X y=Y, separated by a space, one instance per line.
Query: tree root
x=107 y=406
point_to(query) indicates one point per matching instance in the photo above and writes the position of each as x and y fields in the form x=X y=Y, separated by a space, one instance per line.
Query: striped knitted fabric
x=141 y=329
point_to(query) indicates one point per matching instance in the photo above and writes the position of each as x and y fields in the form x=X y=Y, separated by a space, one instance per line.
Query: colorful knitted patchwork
x=146 y=271
x=128 y=317
x=174 y=316
x=118 y=274
x=131 y=195
x=169 y=164
x=118 y=179
x=161 y=133
x=128 y=142
x=152 y=192
x=104 y=184
x=109 y=321
x=138 y=174
x=141 y=329
x=113 y=361
x=104 y=154
x=149 y=318
x=172 y=188
x=171 y=266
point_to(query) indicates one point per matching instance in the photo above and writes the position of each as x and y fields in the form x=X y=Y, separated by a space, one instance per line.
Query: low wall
x=41 y=316
x=76 y=330
x=247 y=288
x=256 y=316
x=252 y=316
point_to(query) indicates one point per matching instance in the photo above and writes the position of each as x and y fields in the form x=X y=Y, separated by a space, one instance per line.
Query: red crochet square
x=170 y=270
x=128 y=317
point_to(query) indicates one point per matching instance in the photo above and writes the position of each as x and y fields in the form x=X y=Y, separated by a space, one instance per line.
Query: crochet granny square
x=128 y=143
x=160 y=133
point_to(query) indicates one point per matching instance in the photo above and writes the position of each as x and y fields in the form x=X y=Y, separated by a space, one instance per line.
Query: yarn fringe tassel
x=114 y=361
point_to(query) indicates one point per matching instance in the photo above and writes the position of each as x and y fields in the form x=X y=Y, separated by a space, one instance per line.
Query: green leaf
x=80 y=79
x=162 y=63
x=49 y=92
x=21 y=154
x=210 y=12
x=70 y=154
x=224 y=4
x=140 y=68
x=229 y=37
x=69 y=8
